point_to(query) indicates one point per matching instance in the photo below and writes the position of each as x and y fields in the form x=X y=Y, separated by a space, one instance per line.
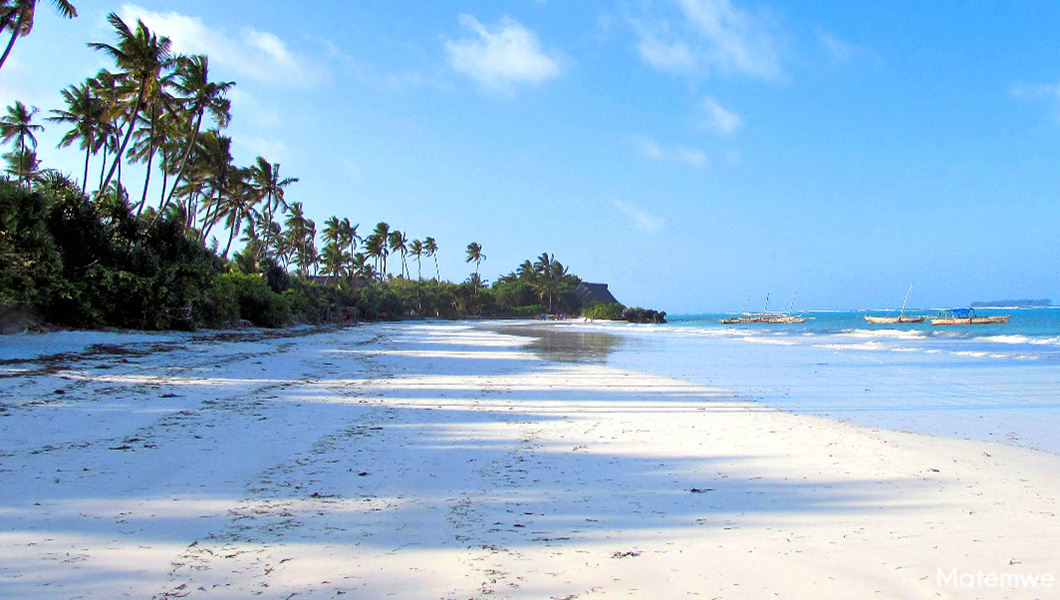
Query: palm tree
x=86 y=111
x=375 y=248
x=17 y=16
x=266 y=183
x=398 y=242
x=152 y=134
x=142 y=56
x=430 y=248
x=300 y=234
x=18 y=125
x=214 y=166
x=107 y=87
x=474 y=254
x=416 y=250
x=381 y=233
x=201 y=97
x=22 y=164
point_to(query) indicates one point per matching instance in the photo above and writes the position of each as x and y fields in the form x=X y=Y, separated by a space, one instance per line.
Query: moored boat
x=966 y=316
x=901 y=318
x=766 y=316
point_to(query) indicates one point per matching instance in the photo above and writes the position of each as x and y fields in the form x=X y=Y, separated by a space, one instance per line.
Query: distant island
x=1014 y=303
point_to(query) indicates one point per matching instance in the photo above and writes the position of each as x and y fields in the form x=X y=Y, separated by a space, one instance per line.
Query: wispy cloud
x=502 y=56
x=258 y=55
x=843 y=51
x=1048 y=94
x=717 y=118
x=705 y=36
x=641 y=219
x=272 y=150
x=692 y=157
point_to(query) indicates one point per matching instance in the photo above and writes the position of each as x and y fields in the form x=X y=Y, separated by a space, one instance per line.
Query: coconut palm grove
x=208 y=243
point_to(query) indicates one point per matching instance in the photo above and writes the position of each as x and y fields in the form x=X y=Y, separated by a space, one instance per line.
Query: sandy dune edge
x=441 y=461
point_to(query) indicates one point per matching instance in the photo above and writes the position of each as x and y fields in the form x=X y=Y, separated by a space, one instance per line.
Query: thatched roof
x=594 y=293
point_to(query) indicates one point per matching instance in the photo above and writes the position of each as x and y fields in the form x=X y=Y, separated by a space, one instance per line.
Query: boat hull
x=970 y=320
x=891 y=320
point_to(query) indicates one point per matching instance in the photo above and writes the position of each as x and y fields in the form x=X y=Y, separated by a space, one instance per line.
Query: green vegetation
x=89 y=259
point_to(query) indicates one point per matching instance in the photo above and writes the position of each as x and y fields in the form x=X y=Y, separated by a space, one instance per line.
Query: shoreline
x=441 y=460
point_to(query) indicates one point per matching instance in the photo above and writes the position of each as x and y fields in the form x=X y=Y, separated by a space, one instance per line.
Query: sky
x=696 y=155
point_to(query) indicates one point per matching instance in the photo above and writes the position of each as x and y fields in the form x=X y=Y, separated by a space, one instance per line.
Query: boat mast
x=792 y=305
x=902 y=314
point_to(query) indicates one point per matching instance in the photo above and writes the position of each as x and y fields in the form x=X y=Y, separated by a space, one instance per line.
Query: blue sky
x=694 y=154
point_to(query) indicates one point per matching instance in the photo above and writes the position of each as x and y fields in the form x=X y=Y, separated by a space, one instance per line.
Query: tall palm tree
x=201 y=96
x=86 y=111
x=416 y=250
x=142 y=57
x=398 y=242
x=16 y=16
x=17 y=125
x=430 y=248
x=475 y=255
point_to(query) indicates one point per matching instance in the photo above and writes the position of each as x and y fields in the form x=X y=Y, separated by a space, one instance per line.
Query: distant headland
x=1044 y=302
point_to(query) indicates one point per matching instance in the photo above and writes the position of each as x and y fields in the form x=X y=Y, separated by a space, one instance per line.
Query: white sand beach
x=446 y=461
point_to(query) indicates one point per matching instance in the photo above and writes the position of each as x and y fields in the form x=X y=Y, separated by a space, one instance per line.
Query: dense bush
x=610 y=311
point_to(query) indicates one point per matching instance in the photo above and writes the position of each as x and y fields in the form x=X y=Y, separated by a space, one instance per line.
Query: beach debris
x=626 y=554
x=701 y=490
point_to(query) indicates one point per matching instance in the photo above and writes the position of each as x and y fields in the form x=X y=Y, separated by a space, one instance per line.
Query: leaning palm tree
x=86 y=111
x=201 y=97
x=142 y=57
x=475 y=255
x=430 y=248
x=17 y=125
x=16 y=17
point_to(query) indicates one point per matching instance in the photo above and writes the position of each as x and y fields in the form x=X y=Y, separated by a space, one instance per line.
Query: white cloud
x=251 y=53
x=717 y=118
x=692 y=157
x=501 y=56
x=706 y=36
x=641 y=219
x=843 y=51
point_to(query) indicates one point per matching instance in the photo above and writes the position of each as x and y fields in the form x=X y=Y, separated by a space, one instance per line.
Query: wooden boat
x=966 y=316
x=765 y=316
x=901 y=318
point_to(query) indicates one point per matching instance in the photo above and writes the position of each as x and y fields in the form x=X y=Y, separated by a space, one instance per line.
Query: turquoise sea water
x=997 y=383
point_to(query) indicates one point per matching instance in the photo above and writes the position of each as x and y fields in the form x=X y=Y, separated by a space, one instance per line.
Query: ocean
x=997 y=383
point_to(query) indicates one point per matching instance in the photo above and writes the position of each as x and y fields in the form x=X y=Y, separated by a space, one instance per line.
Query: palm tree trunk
x=84 y=180
x=128 y=134
x=14 y=36
x=231 y=236
x=147 y=183
x=184 y=159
